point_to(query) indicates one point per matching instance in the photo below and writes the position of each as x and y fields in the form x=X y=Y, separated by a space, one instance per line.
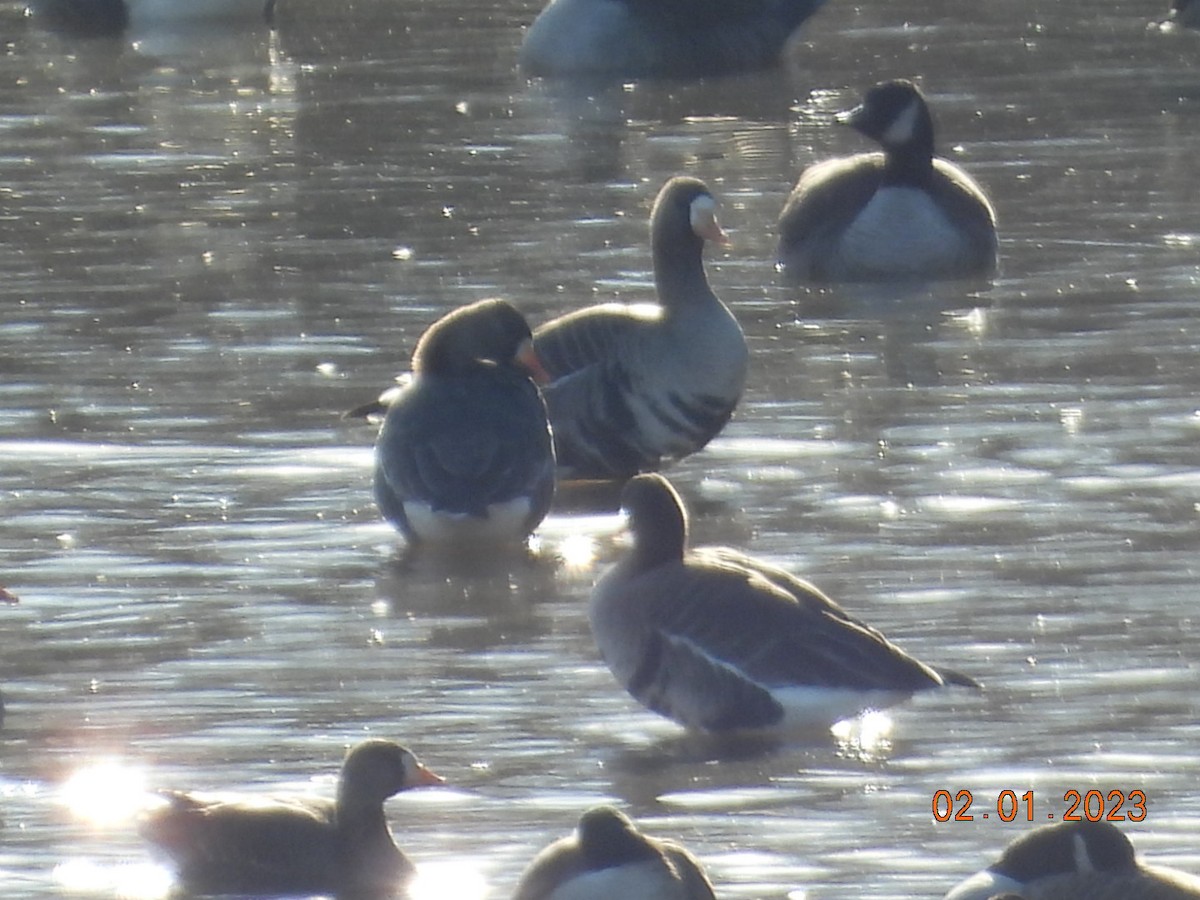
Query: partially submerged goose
x=899 y=215
x=1075 y=861
x=608 y=858
x=636 y=387
x=465 y=452
x=660 y=38
x=719 y=641
x=274 y=845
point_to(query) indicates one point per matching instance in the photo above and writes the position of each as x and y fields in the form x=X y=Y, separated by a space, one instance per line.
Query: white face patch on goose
x=1083 y=861
x=902 y=128
x=702 y=216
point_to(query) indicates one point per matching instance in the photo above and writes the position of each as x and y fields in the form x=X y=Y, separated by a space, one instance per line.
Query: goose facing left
x=720 y=641
x=296 y=844
x=635 y=387
x=465 y=452
x=608 y=858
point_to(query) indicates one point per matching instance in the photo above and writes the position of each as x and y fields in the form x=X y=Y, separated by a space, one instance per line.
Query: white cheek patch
x=702 y=214
x=902 y=128
x=1083 y=862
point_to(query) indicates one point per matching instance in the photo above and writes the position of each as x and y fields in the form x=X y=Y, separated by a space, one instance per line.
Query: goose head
x=487 y=332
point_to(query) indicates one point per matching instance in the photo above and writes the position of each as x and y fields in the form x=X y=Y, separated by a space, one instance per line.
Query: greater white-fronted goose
x=719 y=641
x=1076 y=861
x=899 y=215
x=465 y=452
x=608 y=858
x=277 y=845
x=611 y=39
x=635 y=387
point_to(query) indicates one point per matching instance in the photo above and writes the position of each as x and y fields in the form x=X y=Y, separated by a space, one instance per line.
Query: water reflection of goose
x=720 y=641
x=902 y=214
x=1075 y=861
x=635 y=387
x=608 y=857
x=636 y=38
x=295 y=844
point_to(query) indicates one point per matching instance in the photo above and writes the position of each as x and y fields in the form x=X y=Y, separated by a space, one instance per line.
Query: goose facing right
x=1075 y=861
x=606 y=858
x=900 y=215
x=633 y=388
x=273 y=845
x=719 y=641
x=465 y=452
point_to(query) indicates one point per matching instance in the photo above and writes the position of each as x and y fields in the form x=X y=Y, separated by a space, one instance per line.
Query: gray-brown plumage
x=273 y=845
x=1075 y=861
x=635 y=387
x=902 y=214
x=607 y=858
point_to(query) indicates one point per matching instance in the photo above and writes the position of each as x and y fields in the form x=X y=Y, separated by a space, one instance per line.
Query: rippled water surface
x=211 y=244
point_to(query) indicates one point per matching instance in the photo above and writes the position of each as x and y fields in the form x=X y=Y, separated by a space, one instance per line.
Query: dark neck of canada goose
x=676 y=248
x=657 y=519
x=607 y=839
x=483 y=333
x=911 y=163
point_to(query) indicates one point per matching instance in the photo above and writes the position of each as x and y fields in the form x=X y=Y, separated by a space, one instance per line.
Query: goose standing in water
x=902 y=214
x=1076 y=861
x=719 y=641
x=616 y=39
x=275 y=845
x=465 y=452
x=635 y=387
x=609 y=859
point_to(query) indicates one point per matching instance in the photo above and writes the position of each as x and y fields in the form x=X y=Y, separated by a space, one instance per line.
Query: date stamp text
x=1009 y=806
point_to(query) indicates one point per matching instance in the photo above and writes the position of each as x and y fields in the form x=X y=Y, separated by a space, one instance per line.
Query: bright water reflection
x=214 y=244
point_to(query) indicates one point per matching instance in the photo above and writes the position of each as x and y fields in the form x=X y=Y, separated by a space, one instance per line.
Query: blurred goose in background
x=260 y=845
x=465 y=452
x=114 y=16
x=660 y=38
x=607 y=858
x=635 y=387
x=1075 y=861
x=897 y=215
x=1185 y=13
x=719 y=641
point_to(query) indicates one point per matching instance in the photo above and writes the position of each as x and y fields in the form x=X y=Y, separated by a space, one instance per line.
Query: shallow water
x=215 y=242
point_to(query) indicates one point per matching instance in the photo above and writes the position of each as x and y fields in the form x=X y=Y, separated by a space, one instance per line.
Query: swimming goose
x=635 y=387
x=465 y=452
x=660 y=38
x=1076 y=861
x=719 y=641
x=272 y=845
x=898 y=215
x=608 y=858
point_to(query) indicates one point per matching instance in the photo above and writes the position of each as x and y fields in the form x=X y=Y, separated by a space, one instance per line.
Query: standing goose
x=275 y=845
x=635 y=387
x=1075 y=861
x=465 y=452
x=660 y=38
x=899 y=215
x=609 y=858
x=719 y=641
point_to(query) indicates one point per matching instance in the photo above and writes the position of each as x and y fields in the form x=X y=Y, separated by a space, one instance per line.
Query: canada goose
x=1075 y=861
x=607 y=858
x=902 y=214
x=465 y=451
x=257 y=845
x=660 y=38
x=635 y=387
x=720 y=641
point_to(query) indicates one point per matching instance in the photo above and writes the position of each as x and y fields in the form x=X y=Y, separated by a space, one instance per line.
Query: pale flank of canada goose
x=719 y=641
x=607 y=858
x=635 y=387
x=897 y=215
x=1075 y=861
x=660 y=38
x=273 y=845
x=465 y=452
